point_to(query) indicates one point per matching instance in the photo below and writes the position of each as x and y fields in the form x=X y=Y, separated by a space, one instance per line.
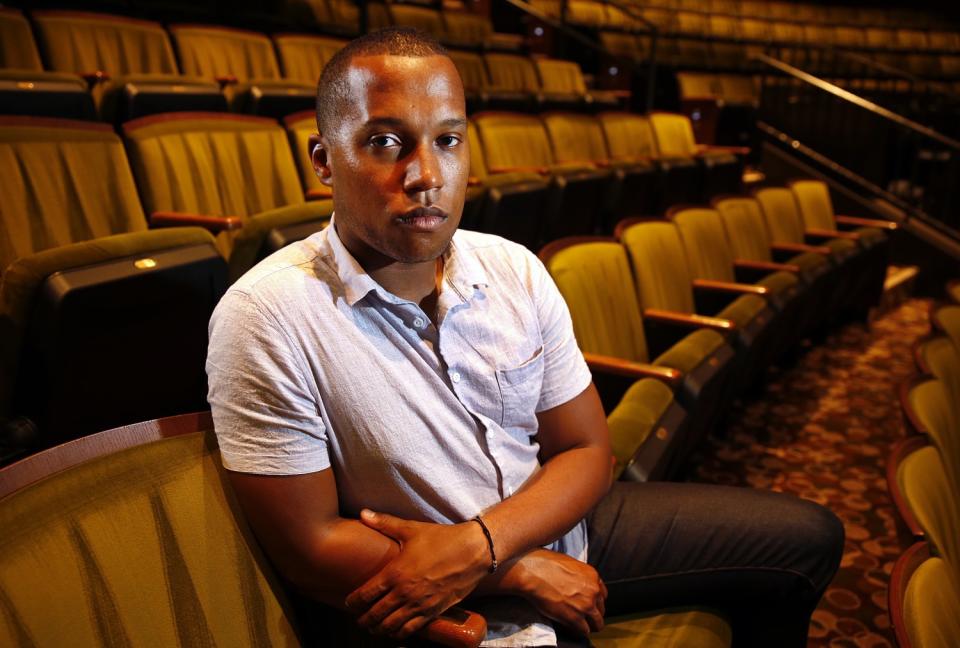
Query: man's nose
x=423 y=171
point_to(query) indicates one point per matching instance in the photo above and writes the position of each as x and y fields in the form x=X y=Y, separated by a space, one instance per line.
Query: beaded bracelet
x=493 y=554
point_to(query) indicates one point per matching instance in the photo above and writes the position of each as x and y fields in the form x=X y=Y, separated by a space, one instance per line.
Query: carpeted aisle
x=822 y=430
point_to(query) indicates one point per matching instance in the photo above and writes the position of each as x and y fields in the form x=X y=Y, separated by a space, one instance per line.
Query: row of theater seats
x=131 y=68
x=87 y=213
x=678 y=316
x=923 y=475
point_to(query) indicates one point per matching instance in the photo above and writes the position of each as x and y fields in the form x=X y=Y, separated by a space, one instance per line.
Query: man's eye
x=448 y=141
x=384 y=141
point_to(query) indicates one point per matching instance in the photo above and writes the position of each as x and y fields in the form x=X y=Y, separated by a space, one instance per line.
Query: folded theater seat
x=25 y=87
x=932 y=411
x=721 y=167
x=924 y=599
x=129 y=63
x=945 y=318
x=244 y=64
x=939 y=356
x=630 y=138
x=665 y=282
x=164 y=479
x=515 y=142
x=711 y=260
x=512 y=205
x=754 y=251
x=219 y=171
x=578 y=138
x=870 y=235
x=619 y=339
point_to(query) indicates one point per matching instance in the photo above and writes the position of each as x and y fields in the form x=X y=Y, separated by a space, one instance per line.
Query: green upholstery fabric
x=778 y=282
x=813 y=197
x=808 y=260
x=660 y=266
x=561 y=76
x=840 y=246
x=781 y=213
x=689 y=353
x=743 y=309
x=948 y=320
x=300 y=126
x=575 y=138
x=62 y=182
x=595 y=281
x=478 y=165
x=23 y=278
x=86 y=42
x=870 y=235
x=471 y=69
x=931 y=605
x=249 y=241
x=634 y=419
x=934 y=404
x=423 y=18
x=942 y=356
x=142 y=547
x=211 y=52
x=665 y=629
x=467 y=29
x=629 y=136
x=512 y=72
x=625 y=46
x=674 y=134
x=513 y=141
x=932 y=498
x=303 y=57
x=746 y=232
x=17 y=48
x=708 y=254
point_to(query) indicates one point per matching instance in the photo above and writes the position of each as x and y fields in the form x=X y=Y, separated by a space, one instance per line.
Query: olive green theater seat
x=561 y=84
x=108 y=331
x=17 y=47
x=931 y=410
x=142 y=544
x=300 y=126
x=245 y=64
x=579 y=138
x=721 y=169
x=664 y=629
x=302 y=56
x=514 y=84
x=61 y=182
x=212 y=165
x=953 y=290
x=946 y=319
x=268 y=231
x=939 y=356
x=473 y=74
x=630 y=138
x=515 y=142
x=131 y=59
x=924 y=599
x=465 y=29
x=425 y=19
x=594 y=277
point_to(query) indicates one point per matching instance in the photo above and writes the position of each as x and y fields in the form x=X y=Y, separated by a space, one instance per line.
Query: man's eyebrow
x=395 y=122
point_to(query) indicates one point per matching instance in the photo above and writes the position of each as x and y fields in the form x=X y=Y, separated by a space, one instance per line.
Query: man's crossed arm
x=397 y=575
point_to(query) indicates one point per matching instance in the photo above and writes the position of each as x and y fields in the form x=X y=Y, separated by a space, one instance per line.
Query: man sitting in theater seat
x=408 y=421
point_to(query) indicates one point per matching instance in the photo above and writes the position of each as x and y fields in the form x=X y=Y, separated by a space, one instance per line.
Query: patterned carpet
x=822 y=430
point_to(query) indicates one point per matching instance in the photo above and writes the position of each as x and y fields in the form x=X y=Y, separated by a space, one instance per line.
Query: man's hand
x=438 y=565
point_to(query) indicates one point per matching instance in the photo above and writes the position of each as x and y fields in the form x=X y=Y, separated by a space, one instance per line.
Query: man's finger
x=602 y=605
x=411 y=626
x=379 y=612
x=388 y=525
x=595 y=620
x=367 y=594
x=398 y=619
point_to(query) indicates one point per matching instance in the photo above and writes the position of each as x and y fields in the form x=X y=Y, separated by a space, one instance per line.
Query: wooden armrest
x=826 y=233
x=768 y=266
x=225 y=80
x=97 y=76
x=457 y=628
x=540 y=170
x=620 y=367
x=867 y=222
x=729 y=287
x=179 y=219
x=320 y=193
x=800 y=248
x=736 y=150
x=689 y=321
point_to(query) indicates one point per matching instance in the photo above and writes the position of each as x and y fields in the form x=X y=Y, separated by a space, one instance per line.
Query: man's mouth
x=423 y=219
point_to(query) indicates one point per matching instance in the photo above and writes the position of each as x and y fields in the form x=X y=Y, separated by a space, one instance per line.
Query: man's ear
x=317 y=148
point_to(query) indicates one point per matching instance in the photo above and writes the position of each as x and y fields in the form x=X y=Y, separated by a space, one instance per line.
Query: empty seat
x=244 y=63
x=513 y=81
x=303 y=56
x=924 y=600
x=130 y=60
x=516 y=142
x=425 y=19
x=473 y=73
x=945 y=318
x=578 y=138
x=300 y=126
x=561 y=83
x=465 y=29
x=595 y=280
x=25 y=88
x=722 y=169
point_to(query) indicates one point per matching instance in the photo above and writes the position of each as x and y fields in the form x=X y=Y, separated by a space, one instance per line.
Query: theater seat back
x=513 y=141
x=743 y=222
x=303 y=57
x=781 y=213
x=512 y=72
x=660 y=267
x=708 y=253
x=923 y=480
x=628 y=136
x=212 y=52
x=816 y=208
x=575 y=138
x=674 y=134
x=17 y=47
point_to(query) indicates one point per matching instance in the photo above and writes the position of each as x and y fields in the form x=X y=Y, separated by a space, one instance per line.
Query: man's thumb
x=386 y=524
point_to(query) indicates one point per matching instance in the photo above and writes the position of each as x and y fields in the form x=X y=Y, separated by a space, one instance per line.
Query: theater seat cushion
x=632 y=421
x=673 y=629
x=687 y=354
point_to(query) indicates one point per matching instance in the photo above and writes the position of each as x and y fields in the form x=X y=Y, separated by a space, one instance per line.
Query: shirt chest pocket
x=520 y=393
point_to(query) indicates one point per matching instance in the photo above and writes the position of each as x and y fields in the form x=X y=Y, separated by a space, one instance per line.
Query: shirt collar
x=461 y=270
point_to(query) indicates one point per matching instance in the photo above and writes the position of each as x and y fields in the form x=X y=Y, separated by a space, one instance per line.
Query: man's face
x=398 y=159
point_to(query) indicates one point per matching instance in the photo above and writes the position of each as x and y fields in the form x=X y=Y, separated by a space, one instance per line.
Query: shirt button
x=418 y=322
x=455 y=376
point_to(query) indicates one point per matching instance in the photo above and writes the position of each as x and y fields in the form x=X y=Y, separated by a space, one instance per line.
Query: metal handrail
x=859 y=101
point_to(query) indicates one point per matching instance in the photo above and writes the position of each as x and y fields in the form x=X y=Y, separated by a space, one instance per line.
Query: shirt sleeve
x=565 y=372
x=267 y=418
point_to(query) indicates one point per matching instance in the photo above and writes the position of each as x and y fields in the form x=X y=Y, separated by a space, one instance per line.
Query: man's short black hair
x=394 y=41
